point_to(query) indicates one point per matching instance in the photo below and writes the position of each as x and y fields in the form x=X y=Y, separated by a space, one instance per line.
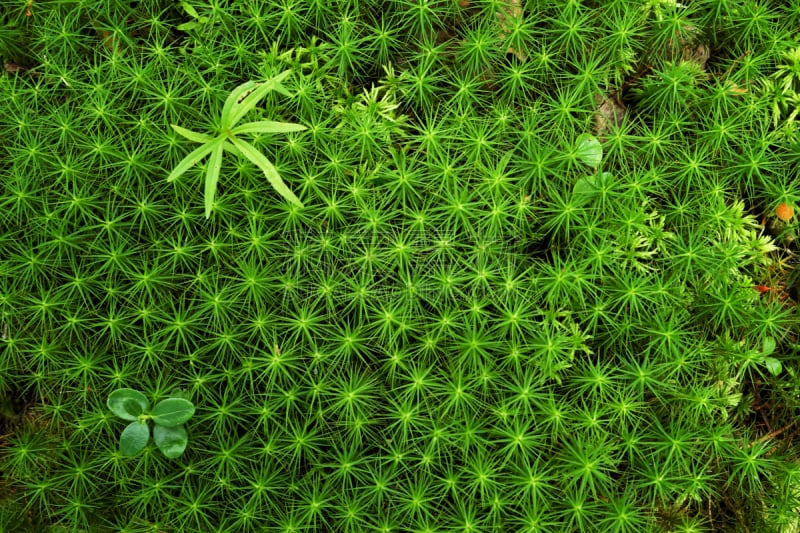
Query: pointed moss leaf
x=589 y=150
x=773 y=365
x=172 y=412
x=192 y=135
x=193 y=158
x=212 y=176
x=269 y=170
x=127 y=404
x=769 y=345
x=134 y=438
x=267 y=126
x=170 y=440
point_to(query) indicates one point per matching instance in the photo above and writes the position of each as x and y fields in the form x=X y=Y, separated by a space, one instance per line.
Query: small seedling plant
x=168 y=417
x=240 y=102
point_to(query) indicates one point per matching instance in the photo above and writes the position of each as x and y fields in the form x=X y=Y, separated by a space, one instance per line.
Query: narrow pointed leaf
x=269 y=170
x=238 y=93
x=279 y=88
x=212 y=176
x=193 y=158
x=127 y=404
x=172 y=412
x=192 y=135
x=134 y=438
x=246 y=104
x=170 y=440
x=267 y=126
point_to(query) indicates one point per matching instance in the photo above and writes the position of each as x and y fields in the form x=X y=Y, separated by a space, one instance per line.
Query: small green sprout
x=590 y=152
x=198 y=22
x=168 y=416
x=240 y=102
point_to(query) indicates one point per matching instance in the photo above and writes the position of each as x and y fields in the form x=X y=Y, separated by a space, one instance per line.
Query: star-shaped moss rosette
x=240 y=102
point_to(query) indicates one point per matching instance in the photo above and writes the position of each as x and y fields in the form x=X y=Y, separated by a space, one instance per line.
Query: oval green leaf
x=584 y=190
x=134 y=438
x=170 y=440
x=127 y=404
x=768 y=346
x=172 y=412
x=590 y=151
x=773 y=365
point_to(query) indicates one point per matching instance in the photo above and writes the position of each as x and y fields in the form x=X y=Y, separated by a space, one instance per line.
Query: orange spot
x=784 y=212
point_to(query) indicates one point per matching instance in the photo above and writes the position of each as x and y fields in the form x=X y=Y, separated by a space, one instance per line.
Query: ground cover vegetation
x=532 y=267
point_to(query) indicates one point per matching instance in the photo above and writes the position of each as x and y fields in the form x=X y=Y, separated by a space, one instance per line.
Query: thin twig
x=771 y=434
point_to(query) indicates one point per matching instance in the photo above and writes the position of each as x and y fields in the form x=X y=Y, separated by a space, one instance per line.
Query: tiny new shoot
x=168 y=417
x=590 y=152
x=240 y=102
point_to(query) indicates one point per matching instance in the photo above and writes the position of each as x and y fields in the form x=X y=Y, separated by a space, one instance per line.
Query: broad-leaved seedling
x=240 y=102
x=168 y=415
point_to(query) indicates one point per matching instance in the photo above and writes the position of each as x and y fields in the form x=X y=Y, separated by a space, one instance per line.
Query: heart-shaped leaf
x=590 y=151
x=172 y=412
x=170 y=440
x=134 y=438
x=127 y=404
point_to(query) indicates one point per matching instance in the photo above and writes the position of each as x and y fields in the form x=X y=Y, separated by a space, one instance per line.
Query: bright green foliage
x=536 y=282
x=167 y=415
x=238 y=104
